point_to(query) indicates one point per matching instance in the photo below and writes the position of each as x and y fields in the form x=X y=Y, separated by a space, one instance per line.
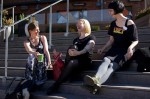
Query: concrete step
x=67 y=41
x=14 y=63
x=130 y=76
x=126 y=78
x=75 y=89
x=62 y=47
x=123 y=91
x=42 y=95
x=14 y=56
x=24 y=55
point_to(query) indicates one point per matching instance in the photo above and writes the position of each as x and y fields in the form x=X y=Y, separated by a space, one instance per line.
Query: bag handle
x=8 y=87
x=56 y=58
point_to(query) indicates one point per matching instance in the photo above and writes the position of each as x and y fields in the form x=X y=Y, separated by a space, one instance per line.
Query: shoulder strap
x=126 y=23
x=40 y=41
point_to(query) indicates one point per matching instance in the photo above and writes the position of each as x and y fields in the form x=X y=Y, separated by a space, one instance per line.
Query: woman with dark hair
x=35 y=72
x=123 y=39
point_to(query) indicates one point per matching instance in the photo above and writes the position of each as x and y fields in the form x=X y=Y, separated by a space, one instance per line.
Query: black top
x=39 y=47
x=80 y=44
x=123 y=38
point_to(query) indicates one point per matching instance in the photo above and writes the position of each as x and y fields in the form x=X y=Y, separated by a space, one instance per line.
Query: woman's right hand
x=72 y=52
x=36 y=54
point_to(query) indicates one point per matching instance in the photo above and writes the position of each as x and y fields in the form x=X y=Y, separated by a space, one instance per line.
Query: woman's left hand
x=73 y=52
x=129 y=53
x=49 y=66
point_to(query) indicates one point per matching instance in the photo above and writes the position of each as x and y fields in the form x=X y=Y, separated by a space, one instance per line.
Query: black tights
x=66 y=74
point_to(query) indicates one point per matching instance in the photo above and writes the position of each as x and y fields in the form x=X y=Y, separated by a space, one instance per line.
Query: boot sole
x=89 y=81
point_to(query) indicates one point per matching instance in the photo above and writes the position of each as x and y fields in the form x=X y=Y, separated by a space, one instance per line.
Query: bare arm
x=133 y=44
x=29 y=49
x=46 y=51
x=108 y=44
x=130 y=49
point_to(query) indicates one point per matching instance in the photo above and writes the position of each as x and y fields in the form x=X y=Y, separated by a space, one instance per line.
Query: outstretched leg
x=112 y=67
x=66 y=73
x=101 y=71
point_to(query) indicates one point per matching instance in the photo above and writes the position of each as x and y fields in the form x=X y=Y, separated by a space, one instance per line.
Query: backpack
x=142 y=58
x=16 y=93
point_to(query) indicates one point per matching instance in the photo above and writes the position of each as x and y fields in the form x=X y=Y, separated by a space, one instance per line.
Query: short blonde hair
x=87 y=25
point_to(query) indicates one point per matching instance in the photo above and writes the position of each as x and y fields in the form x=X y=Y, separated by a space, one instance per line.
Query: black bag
x=16 y=93
x=142 y=57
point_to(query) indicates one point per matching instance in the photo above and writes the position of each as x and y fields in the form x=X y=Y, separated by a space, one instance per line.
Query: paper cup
x=40 y=58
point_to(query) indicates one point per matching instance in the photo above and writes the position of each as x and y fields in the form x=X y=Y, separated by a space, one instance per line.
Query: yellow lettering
x=118 y=30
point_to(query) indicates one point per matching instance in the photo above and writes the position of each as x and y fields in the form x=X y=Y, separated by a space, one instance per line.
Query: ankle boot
x=92 y=81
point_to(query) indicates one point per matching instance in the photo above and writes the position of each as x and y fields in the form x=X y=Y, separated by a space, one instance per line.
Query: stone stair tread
x=120 y=86
x=125 y=72
x=60 y=95
x=128 y=87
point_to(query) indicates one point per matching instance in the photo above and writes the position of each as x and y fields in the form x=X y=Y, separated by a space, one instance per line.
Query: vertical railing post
x=50 y=28
x=6 y=51
x=67 y=24
x=1 y=13
x=102 y=2
x=13 y=25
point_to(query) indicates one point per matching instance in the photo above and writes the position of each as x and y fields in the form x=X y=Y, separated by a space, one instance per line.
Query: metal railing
x=12 y=19
x=29 y=16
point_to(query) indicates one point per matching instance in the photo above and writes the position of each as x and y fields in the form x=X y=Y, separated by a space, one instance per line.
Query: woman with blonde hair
x=79 y=55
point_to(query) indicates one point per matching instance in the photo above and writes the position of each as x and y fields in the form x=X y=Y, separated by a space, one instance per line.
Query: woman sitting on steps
x=123 y=39
x=78 y=57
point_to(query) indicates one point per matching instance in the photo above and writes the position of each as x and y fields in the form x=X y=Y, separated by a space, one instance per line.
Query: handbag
x=16 y=93
x=142 y=57
x=57 y=64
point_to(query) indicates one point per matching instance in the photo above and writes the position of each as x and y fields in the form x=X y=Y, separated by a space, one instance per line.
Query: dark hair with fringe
x=31 y=26
x=117 y=6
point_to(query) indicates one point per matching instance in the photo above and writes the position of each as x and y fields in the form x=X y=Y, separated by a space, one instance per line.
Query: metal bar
x=2 y=29
x=13 y=25
x=10 y=8
x=6 y=52
x=67 y=23
x=33 y=14
x=1 y=13
x=102 y=10
x=2 y=16
x=50 y=28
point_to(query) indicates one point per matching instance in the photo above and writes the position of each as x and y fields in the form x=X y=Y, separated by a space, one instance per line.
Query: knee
x=106 y=59
x=25 y=93
x=114 y=66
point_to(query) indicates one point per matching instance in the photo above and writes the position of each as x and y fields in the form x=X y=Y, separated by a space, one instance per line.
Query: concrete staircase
x=127 y=84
